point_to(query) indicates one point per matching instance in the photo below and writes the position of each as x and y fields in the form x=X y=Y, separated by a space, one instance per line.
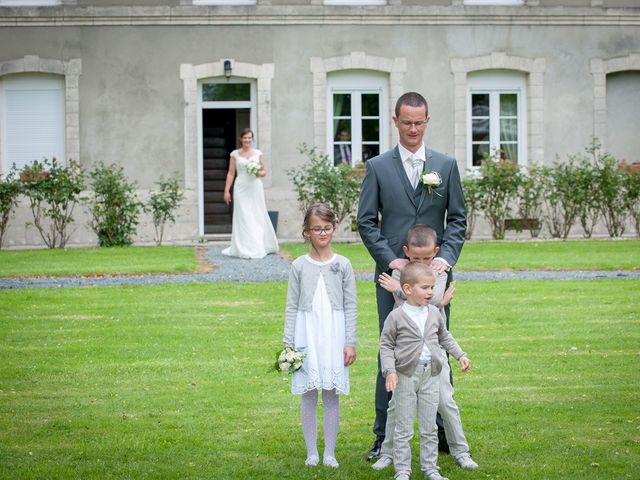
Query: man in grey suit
x=392 y=200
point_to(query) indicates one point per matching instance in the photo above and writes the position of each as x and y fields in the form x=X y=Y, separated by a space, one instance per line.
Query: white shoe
x=435 y=475
x=401 y=476
x=382 y=463
x=312 y=461
x=330 y=462
x=465 y=461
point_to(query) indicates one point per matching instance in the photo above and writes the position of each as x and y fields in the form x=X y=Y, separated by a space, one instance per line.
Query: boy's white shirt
x=419 y=317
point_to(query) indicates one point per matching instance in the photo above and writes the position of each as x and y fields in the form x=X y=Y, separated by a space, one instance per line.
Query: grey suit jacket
x=389 y=206
x=401 y=342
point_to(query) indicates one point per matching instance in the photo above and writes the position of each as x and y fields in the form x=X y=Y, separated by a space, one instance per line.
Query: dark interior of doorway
x=219 y=139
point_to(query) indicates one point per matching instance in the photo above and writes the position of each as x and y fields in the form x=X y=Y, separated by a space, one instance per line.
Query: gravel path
x=271 y=268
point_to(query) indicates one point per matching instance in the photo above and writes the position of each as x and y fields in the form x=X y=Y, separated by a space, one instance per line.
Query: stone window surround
x=71 y=70
x=600 y=68
x=320 y=67
x=533 y=67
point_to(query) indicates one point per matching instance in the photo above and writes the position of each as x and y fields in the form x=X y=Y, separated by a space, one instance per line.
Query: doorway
x=220 y=131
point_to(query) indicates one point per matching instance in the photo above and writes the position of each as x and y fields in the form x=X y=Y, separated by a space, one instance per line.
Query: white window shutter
x=33 y=120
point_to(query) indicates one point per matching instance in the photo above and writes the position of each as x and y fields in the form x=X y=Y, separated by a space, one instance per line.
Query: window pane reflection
x=226 y=92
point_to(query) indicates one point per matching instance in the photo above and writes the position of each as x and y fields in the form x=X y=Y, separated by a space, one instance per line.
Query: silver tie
x=416 y=165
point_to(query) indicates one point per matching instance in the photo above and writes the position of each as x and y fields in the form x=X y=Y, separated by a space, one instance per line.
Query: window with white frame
x=30 y=3
x=496 y=116
x=32 y=119
x=356 y=127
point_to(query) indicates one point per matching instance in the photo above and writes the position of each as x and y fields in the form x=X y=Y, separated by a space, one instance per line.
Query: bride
x=252 y=235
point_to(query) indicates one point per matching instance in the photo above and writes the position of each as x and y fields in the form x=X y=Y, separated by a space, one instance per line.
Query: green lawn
x=541 y=255
x=91 y=261
x=529 y=255
x=173 y=382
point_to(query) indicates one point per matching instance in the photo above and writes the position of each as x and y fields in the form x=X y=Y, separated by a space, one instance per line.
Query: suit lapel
x=428 y=161
x=402 y=175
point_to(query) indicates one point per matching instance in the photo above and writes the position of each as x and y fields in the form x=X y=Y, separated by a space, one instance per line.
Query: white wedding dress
x=252 y=234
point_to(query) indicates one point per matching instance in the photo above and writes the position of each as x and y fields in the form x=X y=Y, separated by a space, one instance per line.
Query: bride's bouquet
x=253 y=168
x=289 y=360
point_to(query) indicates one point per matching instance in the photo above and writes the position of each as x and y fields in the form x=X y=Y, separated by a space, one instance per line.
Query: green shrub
x=53 y=191
x=561 y=197
x=162 y=205
x=631 y=185
x=530 y=194
x=588 y=198
x=499 y=184
x=473 y=197
x=610 y=180
x=9 y=192
x=114 y=208
x=318 y=181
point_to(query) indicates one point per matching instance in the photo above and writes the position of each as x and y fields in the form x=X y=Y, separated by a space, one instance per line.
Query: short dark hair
x=412 y=99
x=421 y=235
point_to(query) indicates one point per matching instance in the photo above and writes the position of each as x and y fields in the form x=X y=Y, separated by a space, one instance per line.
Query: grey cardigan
x=341 y=288
x=401 y=342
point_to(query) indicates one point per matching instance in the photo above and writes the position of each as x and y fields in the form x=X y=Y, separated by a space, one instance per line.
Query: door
x=220 y=132
x=226 y=108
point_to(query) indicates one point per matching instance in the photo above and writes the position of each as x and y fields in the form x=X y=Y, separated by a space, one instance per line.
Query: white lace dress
x=320 y=335
x=252 y=234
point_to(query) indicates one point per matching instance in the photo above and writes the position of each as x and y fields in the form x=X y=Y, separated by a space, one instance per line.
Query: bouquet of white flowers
x=253 y=168
x=289 y=360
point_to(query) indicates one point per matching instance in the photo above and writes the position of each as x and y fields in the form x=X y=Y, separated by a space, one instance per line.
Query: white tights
x=309 y=417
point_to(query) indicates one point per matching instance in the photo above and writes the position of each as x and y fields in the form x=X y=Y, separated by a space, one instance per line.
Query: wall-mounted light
x=227 y=69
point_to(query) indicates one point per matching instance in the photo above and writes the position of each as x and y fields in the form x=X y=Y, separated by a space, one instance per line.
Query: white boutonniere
x=430 y=180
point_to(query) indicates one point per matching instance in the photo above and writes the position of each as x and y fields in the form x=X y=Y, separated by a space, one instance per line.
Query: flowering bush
x=499 y=182
x=473 y=198
x=9 y=191
x=53 y=191
x=318 y=181
x=162 y=205
x=114 y=207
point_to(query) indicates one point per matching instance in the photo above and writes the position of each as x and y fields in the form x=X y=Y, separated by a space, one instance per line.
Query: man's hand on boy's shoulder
x=439 y=265
x=398 y=264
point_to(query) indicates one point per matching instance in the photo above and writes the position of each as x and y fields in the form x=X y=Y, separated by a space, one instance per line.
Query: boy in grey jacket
x=411 y=362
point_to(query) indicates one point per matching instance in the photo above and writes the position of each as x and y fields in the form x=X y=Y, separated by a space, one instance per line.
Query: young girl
x=321 y=321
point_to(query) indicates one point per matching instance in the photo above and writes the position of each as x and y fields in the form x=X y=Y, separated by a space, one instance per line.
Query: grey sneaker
x=434 y=475
x=465 y=461
x=401 y=476
x=382 y=463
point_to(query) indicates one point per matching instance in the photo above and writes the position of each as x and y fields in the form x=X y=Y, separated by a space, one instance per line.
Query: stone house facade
x=164 y=86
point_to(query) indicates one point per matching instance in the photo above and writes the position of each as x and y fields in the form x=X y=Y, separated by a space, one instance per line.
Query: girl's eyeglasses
x=318 y=230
